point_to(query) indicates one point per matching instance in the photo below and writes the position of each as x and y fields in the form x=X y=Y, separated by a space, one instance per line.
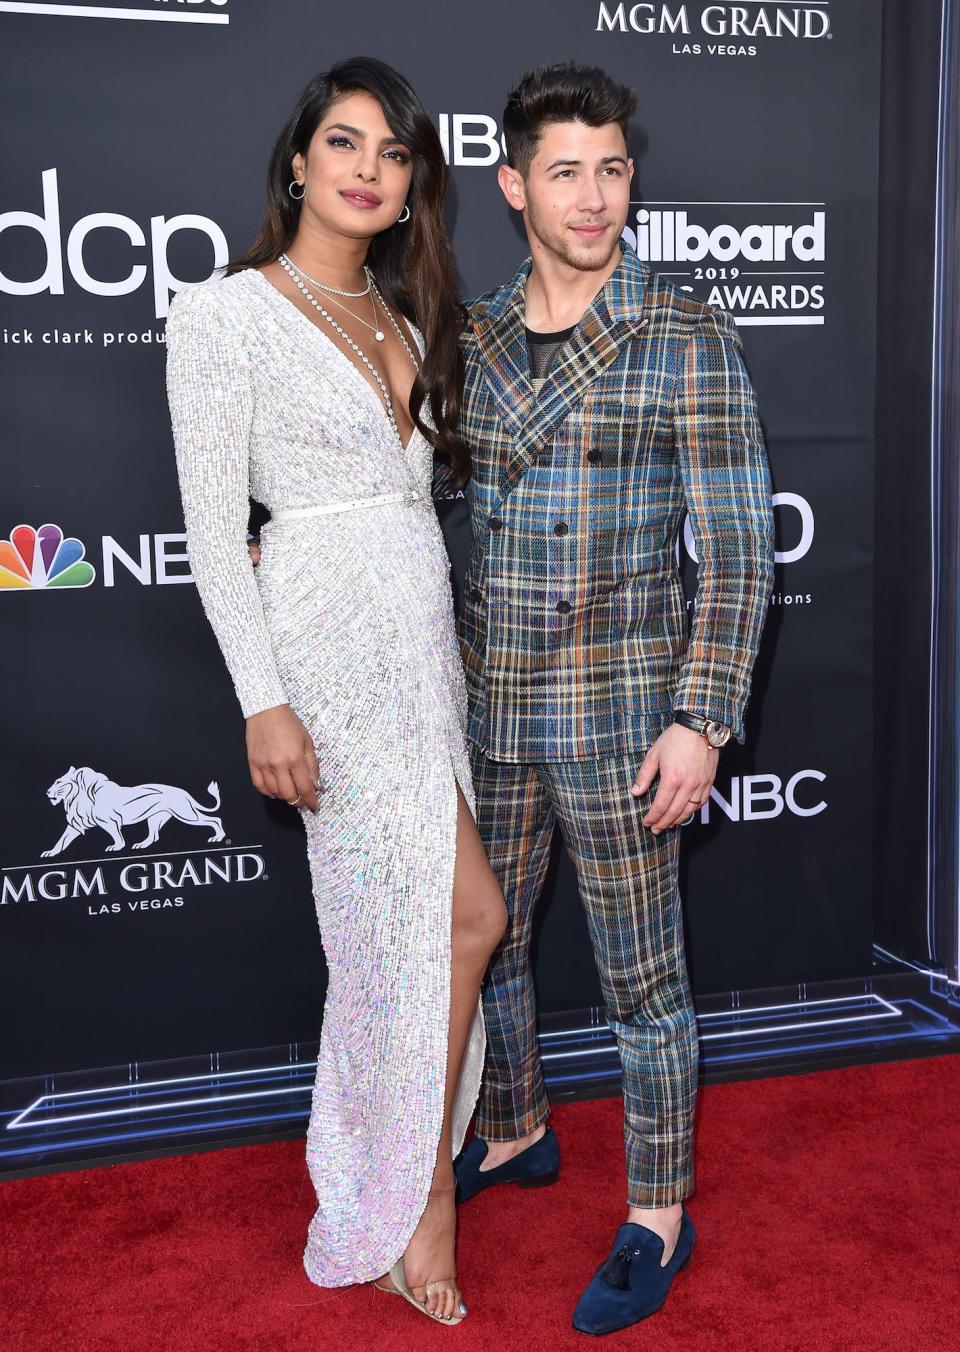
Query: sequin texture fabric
x=348 y=618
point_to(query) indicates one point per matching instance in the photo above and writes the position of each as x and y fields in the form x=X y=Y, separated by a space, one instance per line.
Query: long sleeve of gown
x=210 y=392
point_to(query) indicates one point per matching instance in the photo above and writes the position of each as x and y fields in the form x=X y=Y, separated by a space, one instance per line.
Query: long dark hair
x=413 y=262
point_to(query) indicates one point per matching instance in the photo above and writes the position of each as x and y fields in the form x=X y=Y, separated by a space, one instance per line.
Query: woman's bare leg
x=478 y=924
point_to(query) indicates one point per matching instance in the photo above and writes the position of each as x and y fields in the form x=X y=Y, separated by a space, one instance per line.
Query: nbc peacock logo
x=38 y=558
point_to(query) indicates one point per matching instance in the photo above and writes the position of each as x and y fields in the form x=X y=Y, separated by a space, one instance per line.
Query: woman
x=298 y=377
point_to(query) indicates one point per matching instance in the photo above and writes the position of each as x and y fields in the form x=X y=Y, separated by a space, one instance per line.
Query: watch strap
x=695 y=722
x=715 y=734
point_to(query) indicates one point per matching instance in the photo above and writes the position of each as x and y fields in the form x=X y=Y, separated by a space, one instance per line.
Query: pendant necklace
x=289 y=268
x=374 y=328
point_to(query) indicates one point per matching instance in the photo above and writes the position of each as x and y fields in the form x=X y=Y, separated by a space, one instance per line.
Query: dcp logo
x=48 y=226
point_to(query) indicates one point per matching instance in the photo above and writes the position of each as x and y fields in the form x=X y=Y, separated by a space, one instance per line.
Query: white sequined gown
x=348 y=618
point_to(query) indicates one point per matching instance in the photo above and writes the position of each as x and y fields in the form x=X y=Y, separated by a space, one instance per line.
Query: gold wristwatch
x=717 y=734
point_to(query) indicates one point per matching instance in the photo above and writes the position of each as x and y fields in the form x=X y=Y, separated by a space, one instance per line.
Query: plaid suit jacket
x=574 y=629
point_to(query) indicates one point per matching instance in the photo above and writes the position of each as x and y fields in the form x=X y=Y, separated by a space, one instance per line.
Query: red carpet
x=827 y=1210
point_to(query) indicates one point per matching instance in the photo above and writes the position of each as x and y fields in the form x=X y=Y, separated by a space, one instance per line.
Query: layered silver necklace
x=325 y=286
x=371 y=290
x=333 y=292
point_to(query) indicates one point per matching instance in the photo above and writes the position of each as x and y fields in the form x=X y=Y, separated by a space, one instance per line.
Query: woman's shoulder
x=222 y=295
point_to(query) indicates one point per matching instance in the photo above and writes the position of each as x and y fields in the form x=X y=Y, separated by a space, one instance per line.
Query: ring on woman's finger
x=294 y=801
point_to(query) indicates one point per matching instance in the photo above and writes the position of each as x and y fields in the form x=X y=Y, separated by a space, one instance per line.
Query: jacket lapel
x=613 y=318
x=591 y=348
x=503 y=353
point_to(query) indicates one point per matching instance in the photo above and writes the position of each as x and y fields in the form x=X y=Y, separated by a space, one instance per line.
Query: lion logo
x=91 y=799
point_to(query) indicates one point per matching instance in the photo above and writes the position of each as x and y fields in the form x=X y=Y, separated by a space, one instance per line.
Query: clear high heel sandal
x=400 y=1288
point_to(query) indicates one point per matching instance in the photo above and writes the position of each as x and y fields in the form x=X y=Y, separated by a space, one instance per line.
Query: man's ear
x=512 y=187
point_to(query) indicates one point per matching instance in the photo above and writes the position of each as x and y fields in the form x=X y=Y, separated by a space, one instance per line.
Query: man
x=600 y=402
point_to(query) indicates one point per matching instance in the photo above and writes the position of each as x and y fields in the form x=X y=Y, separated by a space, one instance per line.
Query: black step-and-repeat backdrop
x=153 y=905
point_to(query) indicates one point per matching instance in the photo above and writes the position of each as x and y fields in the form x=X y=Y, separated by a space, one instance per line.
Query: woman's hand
x=283 y=762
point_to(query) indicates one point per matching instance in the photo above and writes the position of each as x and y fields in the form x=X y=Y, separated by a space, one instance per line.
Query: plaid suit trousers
x=628 y=883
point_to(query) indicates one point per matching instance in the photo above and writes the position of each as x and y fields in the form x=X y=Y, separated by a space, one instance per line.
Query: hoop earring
x=404 y=215
x=297 y=196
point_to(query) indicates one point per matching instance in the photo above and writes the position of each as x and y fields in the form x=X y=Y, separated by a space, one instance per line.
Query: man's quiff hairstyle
x=566 y=92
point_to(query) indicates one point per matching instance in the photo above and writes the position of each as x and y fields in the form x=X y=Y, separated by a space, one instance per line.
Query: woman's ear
x=298 y=166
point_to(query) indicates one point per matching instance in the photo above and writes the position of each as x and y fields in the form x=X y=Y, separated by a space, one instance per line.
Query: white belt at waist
x=410 y=497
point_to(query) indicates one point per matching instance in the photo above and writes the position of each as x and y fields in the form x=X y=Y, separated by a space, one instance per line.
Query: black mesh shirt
x=541 y=349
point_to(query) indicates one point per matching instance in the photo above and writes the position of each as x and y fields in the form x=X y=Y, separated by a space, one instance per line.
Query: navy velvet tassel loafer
x=534 y=1167
x=631 y=1285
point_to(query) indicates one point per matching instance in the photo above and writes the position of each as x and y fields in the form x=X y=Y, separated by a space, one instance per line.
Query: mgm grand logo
x=715 y=21
x=94 y=805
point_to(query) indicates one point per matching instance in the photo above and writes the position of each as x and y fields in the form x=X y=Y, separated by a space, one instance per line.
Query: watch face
x=717 y=735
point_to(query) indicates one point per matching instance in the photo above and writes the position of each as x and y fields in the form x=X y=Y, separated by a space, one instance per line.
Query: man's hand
x=253 y=549
x=687 y=766
x=283 y=762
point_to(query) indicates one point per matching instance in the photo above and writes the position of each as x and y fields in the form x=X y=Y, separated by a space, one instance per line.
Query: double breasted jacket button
x=561 y=528
x=595 y=457
x=495 y=523
x=564 y=607
x=474 y=594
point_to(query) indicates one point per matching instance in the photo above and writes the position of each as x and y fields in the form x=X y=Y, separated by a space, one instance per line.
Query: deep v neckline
x=344 y=358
